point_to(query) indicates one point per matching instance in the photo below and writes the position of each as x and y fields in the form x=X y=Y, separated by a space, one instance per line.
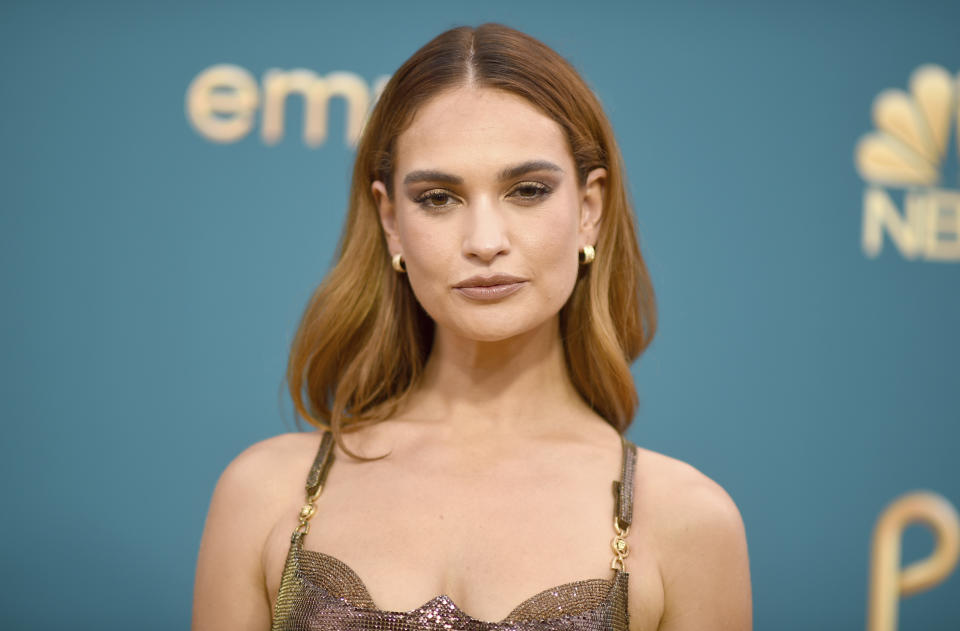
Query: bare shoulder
x=273 y=456
x=697 y=533
x=258 y=481
x=263 y=471
x=682 y=498
x=276 y=450
x=229 y=587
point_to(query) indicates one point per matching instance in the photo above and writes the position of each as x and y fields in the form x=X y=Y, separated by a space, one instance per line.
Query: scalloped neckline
x=612 y=582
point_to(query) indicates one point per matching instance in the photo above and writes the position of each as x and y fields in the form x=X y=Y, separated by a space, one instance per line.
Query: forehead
x=475 y=130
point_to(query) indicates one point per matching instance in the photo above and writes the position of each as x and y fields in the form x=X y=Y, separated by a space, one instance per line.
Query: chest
x=485 y=542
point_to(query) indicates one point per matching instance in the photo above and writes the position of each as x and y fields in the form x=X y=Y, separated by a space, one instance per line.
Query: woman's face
x=484 y=185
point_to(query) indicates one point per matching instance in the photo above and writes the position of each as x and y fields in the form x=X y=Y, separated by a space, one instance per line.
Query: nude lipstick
x=490 y=287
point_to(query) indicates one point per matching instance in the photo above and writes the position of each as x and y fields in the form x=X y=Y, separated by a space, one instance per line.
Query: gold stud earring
x=398 y=263
x=588 y=254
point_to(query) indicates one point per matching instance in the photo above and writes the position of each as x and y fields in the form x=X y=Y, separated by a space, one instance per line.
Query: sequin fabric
x=320 y=592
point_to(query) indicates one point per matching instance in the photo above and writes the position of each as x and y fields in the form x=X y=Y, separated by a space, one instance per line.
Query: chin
x=493 y=329
x=492 y=322
x=491 y=336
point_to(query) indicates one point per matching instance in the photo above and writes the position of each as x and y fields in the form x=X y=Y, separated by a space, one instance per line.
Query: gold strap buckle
x=619 y=544
x=307 y=512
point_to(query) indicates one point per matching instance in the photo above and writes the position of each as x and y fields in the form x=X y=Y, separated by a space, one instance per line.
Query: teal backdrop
x=151 y=279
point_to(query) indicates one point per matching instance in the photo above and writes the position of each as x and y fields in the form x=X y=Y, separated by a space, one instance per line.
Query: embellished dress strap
x=321 y=464
x=292 y=592
x=623 y=504
x=315 y=481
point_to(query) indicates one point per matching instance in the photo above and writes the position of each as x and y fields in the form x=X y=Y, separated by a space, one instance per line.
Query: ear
x=591 y=206
x=388 y=216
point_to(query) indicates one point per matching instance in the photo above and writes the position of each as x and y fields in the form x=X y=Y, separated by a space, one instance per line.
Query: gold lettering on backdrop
x=907 y=151
x=942 y=238
x=316 y=92
x=221 y=102
x=888 y=581
x=879 y=213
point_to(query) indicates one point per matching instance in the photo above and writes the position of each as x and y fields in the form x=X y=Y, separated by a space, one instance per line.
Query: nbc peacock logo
x=905 y=158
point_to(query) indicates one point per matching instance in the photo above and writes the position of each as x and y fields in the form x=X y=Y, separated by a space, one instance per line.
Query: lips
x=490 y=287
x=489 y=281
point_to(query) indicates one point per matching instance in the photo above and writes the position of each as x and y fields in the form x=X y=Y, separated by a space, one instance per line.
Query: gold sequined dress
x=319 y=592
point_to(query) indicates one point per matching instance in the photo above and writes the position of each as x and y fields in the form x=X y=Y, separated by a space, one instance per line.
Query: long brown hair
x=364 y=339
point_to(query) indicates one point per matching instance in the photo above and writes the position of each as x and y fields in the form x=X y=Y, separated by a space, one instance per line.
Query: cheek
x=428 y=258
x=560 y=239
x=554 y=246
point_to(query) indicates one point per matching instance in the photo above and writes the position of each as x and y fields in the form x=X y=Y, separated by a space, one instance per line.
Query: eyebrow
x=506 y=174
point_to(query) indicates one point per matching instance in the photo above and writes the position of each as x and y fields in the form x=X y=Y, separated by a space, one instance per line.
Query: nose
x=485 y=231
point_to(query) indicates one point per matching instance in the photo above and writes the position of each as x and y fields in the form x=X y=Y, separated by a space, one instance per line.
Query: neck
x=517 y=384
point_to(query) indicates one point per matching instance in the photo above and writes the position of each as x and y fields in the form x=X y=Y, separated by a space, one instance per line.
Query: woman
x=470 y=352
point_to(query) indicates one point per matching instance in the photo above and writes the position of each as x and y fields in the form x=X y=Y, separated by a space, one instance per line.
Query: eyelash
x=541 y=190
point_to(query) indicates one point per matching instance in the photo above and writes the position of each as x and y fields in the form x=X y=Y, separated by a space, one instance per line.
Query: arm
x=229 y=590
x=705 y=567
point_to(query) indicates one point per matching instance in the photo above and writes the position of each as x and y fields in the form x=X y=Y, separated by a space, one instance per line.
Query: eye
x=531 y=191
x=433 y=199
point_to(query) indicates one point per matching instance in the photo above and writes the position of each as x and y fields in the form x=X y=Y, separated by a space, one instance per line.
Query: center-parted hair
x=364 y=339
